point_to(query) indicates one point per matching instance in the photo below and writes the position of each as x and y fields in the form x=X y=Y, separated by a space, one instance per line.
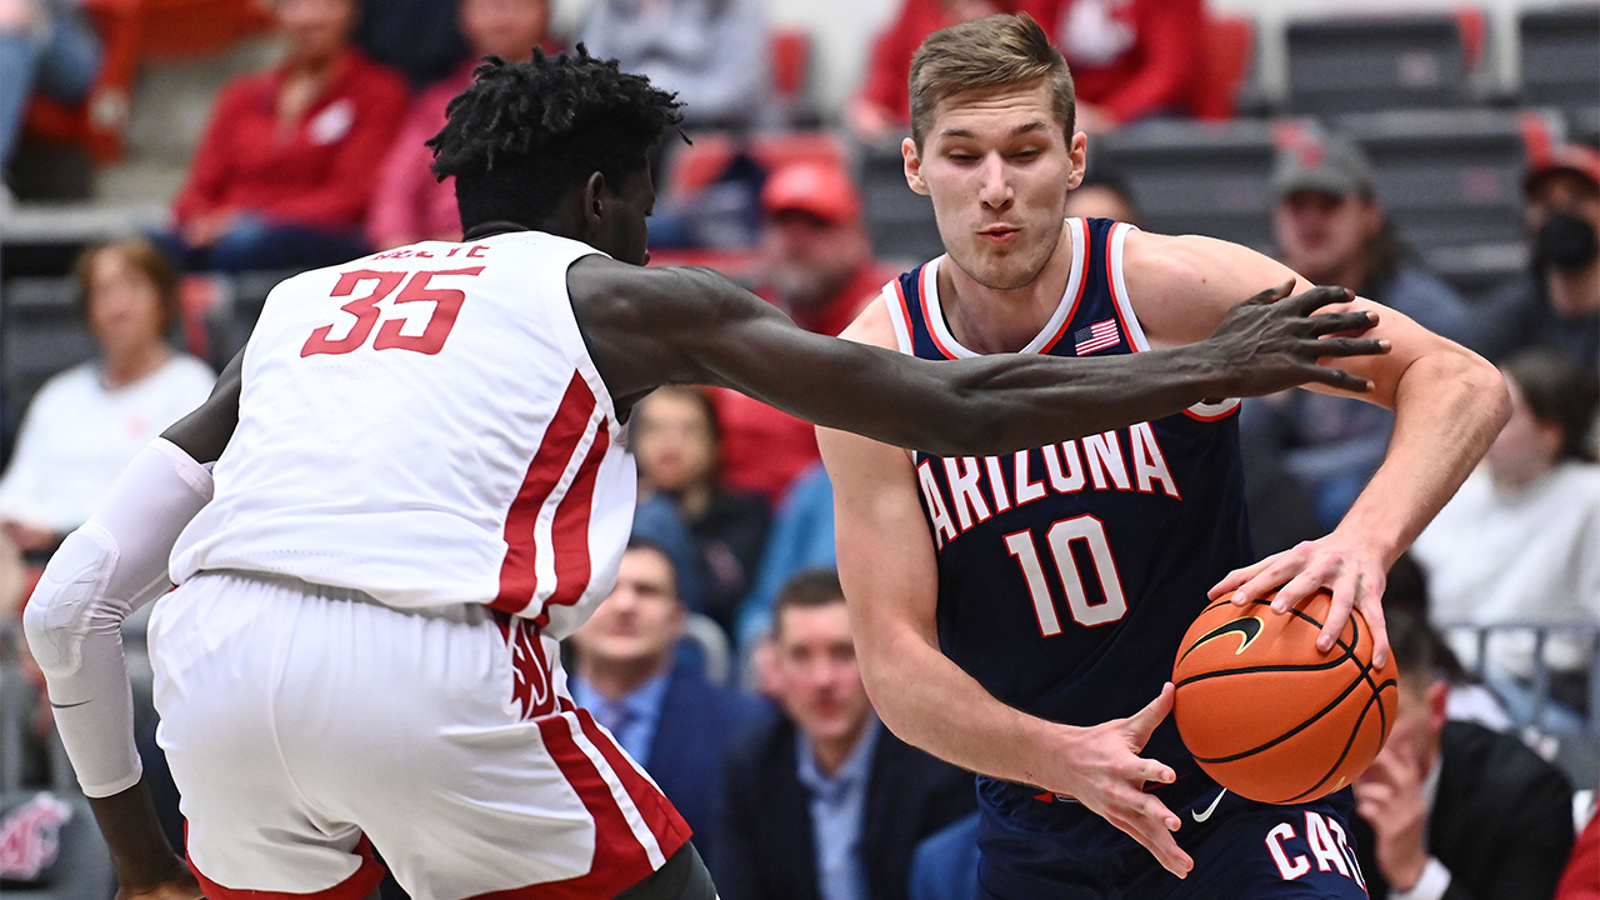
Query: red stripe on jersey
x=357 y=887
x=620 y=861
x=1081 y=245
x=923 y=290
x=660 y=816
x=518 y=577
x=569 y=533
x=1213 y=417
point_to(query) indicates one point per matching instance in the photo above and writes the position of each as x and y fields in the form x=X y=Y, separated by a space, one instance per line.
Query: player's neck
x=615 y=680
x=989 y=320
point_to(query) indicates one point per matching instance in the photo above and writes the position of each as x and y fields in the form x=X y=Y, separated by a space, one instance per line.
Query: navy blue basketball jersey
x=1068 y=574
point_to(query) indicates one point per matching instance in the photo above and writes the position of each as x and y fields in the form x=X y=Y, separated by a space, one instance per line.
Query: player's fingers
x=1342 y=322
x=1335 y=377
x=1310 y=301
x=1350 y=346
x=1372 y=609
x=1155 y=835
x=1304 y=583
x=1141 y=723
x=1345 y=595
x=1231 y=583
x=1272 y=294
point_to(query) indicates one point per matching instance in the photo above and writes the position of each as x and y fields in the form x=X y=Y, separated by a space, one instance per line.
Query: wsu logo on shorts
x=531 y=689
x=30 y=837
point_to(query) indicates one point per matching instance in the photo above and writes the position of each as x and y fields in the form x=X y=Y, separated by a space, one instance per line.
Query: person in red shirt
x=409 y=204
x=1130 y=59
x=882 y=110
x=285 y=171
x=817 y=266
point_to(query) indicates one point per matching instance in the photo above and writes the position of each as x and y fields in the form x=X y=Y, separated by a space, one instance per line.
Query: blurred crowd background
x=166 y=162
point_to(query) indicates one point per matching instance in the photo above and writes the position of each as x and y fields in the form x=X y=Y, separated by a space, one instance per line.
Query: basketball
x=1269 y=716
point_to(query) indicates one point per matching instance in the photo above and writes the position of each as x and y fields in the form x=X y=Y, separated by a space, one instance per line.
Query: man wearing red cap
x=1556 y=303
x=817 y=266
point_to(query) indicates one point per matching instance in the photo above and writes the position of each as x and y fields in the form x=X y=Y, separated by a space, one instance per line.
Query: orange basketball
x=1269 y=716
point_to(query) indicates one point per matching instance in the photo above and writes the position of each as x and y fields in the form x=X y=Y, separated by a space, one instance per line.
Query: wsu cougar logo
x=531 y=690
x=30 y=837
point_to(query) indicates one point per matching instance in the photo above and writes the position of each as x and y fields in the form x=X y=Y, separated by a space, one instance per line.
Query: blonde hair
x=990 y=52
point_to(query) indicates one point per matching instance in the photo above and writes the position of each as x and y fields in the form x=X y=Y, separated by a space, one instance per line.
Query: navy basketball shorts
x=1242 y=850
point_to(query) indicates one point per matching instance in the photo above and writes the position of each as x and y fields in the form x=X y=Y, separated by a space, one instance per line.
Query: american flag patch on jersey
x=1098 y=336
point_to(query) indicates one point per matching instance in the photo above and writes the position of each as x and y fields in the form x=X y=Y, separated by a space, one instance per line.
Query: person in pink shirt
x=284 y=172
x=409 y=205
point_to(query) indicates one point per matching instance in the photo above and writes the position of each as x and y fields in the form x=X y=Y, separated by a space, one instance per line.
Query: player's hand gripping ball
x=1269 y=716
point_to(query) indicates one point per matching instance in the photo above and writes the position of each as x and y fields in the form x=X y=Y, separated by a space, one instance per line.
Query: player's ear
x=913 y=158
x=1078 y=152
x=594 y=197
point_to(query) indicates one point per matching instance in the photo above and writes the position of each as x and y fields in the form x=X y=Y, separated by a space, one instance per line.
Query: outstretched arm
x=112 y=565
x=648 y=327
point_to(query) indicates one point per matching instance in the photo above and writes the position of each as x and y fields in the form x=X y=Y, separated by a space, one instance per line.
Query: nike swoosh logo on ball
x=1202 y=816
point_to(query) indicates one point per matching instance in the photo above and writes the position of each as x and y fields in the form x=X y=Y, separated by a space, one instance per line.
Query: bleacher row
x=1449 y=162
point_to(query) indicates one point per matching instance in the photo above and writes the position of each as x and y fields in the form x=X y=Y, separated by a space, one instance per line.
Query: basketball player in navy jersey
x=1018 y=615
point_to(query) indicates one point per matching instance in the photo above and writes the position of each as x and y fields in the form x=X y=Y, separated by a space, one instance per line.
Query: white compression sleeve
x=103 y=571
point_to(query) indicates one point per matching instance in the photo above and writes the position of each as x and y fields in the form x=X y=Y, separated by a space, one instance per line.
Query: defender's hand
x=1269 y=343
x=1104 y=771
x=1353 y=572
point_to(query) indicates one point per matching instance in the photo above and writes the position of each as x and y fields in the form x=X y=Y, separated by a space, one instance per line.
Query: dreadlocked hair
x=524 y=134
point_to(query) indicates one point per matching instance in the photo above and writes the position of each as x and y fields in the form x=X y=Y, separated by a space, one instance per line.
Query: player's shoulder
x=873 y=325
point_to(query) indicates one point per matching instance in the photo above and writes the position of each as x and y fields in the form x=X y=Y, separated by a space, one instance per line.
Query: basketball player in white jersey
x=420 y=486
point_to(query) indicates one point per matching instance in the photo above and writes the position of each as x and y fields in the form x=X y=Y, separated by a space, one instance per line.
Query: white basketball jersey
x=426 y=425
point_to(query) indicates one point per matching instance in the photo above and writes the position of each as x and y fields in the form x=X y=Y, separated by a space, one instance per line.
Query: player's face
x=819 y=684
x=508 y=29
x=124 y=304
x=641 y=620
x=1320 y=233
x=624 y=227
x=998 y=165
x=673 y=441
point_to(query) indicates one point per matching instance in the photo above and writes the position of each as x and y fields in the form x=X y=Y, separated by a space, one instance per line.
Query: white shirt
x=1529 y=555
x=79 y=435
x=425 y=425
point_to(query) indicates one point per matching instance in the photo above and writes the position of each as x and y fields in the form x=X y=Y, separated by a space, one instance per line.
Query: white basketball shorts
x=305 y=724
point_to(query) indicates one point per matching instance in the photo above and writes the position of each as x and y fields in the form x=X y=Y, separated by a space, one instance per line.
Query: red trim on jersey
x=620 y=861
x=569 y=532
x=660 y=816
x=518 y=576
x=927 y=316
x=1213 y=418
x=1083 y=282
x=356 y=887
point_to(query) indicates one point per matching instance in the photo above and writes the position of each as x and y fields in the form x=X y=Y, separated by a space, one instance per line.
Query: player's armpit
x=205 y=432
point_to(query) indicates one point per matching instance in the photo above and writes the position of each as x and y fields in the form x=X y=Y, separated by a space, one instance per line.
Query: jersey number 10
x=1060 y=537
x=446 y=306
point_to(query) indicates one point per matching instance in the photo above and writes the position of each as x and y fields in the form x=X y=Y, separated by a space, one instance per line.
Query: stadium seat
x=1583 y=125
x=1561 y=57
x=1197 y=178
x=1449 y=178
x=699 y=164
x=1230 y=43
x=899 y=222
x=791 y=70
x=1382 y=62
x=41 y=333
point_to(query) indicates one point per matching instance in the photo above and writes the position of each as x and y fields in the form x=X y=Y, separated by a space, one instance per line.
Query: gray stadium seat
x=1561 y=57
x=1583 y=126
x=1449 y=178
x=41 y=333
x=899 y=222
x=1196 y=178
x=1379 y=62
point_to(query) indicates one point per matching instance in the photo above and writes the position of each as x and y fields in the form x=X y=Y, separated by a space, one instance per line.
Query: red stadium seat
x=1230 y=48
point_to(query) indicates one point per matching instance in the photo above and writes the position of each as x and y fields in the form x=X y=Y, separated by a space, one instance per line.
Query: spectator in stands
x=86 y=423
x=823 y=802
x=1556 y=303
x=409 y=204
x=666 y=715
x=1452 y=809
x=48 y=46
x=881 y=111
x=676 y=438
x=1331 y=228
x=801 y=538
x=1102 y=195
x=284 y=174
x=713 y=53
x=817 y=266
x=421 y=39
x=1130 y=59
x=1520 y=541
x=1581 y=881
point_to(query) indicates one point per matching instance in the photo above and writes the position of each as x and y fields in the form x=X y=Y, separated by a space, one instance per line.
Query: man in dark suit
x=1453 y=810
x=823 y=803
x=665 y=714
